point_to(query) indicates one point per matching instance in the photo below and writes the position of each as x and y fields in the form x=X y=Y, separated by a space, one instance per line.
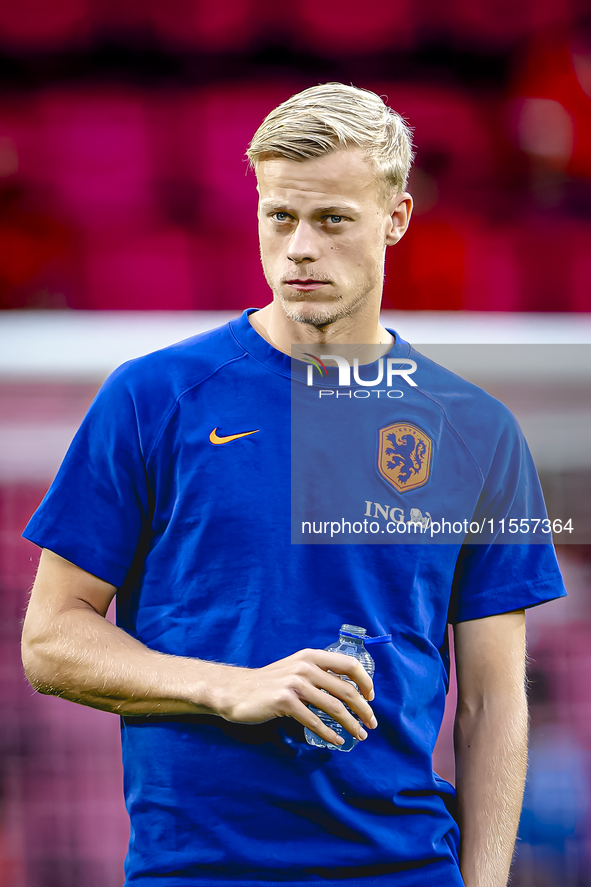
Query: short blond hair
x=334 y=116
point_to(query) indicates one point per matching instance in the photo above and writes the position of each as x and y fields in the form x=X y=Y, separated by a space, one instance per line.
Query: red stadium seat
x=497 y=23
x=98 y=156
x=336 y=26
x=213 y=27
x=22 y=150
x=492 y=280
x=120 y=17
x=426 y=270
x=454 y=261
x=580 y=289
x=557 y=72
x=39 y=25
x=218 y=128
x=551 y=259
x=440 y=263
x=234 y=264
x=454 y=137
x=154 y=271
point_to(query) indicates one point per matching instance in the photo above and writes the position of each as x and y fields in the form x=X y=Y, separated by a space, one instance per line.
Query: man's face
x=323 y=227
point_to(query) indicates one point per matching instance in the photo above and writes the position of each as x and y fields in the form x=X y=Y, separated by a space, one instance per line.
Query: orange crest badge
x=404 y=456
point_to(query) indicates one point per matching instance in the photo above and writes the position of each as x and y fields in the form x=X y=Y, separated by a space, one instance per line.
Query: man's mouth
x=307 y=285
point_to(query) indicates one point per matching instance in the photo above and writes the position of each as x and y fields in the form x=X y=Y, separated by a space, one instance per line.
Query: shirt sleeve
x=493 y=579
x=100 y=502
x=499 y=570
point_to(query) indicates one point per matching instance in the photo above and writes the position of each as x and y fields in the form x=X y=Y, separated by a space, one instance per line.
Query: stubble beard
x=323 y=314
x=318 y=315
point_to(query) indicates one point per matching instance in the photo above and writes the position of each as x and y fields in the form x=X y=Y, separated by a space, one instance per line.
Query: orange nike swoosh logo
x=215 y=439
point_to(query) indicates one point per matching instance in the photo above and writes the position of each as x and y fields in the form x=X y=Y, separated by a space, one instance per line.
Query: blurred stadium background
x=127 y=221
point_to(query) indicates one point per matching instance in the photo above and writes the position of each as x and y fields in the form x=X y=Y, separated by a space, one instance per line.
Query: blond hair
x=334 y=116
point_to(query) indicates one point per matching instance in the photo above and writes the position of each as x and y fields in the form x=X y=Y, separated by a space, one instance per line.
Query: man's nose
x=303 y=245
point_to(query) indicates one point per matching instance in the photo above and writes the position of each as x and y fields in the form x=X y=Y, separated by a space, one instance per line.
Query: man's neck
x=282 y=333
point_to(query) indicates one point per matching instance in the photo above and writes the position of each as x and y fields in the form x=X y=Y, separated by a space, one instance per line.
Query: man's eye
x=280 y=217
x=334 y=220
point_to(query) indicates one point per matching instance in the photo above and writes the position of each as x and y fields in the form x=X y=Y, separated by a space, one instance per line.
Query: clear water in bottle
x=351 y=643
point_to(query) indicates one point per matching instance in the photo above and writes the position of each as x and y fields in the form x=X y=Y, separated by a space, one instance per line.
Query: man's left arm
x=490 y=738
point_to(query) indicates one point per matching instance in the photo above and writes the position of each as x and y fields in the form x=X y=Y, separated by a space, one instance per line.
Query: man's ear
x=400 y=211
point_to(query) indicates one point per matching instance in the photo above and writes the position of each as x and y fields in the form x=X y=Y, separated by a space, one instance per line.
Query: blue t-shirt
x=196 y=535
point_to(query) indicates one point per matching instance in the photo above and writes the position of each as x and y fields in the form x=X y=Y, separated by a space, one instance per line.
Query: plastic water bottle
x=351 y=643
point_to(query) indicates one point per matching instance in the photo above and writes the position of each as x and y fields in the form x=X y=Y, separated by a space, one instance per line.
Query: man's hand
x=285 y=688
x=71 y=650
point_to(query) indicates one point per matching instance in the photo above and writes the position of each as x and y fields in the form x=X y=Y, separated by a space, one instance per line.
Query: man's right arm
x=71 y=650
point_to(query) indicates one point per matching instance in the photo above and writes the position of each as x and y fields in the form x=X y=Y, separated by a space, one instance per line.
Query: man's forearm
x=84 y=658
x=71 y=650
x=491 y=763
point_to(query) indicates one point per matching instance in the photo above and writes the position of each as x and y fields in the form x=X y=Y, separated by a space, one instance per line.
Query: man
x=175 y=495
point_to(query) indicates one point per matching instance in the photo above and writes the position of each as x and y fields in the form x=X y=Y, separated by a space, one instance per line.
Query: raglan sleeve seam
x=175 y=404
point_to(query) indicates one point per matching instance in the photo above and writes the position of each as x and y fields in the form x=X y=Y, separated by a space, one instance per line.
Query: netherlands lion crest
x=404 y=456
